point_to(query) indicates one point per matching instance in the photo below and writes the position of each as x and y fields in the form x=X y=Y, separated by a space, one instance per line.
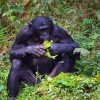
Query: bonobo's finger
x=41 y=47
x=52 y=50
x=40 y=52
x=36 y=54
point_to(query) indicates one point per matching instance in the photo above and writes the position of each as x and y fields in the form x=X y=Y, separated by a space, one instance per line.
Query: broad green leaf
x=66 y=83
x=82 y=51
x=1 y=87
x=46 y=45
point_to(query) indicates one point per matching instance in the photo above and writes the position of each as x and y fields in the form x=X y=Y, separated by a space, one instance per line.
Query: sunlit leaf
x=82 y=51
x=46 y=45
x=1 y=87
x=66 y=83
x=17 y=8
x=98 y=14
x=98 y=78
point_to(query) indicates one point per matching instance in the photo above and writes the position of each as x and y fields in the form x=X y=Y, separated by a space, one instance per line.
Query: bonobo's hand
x=55 y=49
x=36 y=50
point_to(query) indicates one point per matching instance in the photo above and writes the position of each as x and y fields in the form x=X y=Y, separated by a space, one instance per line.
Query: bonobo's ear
x=51 y=21
x=29 y=24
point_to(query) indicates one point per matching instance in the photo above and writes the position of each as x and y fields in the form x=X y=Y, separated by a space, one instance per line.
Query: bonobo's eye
x=44 y=33
x=45 y=30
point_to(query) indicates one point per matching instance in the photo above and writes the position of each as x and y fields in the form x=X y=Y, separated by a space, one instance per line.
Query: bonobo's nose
x=45 y=33
x=44 y=36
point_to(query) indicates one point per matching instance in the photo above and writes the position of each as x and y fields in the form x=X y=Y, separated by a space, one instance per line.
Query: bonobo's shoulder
x=24 y=30
x=60 y=31
x=56 y=27
x=22 y=35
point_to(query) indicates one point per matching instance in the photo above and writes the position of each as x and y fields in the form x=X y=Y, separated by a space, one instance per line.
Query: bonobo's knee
x=69 y=63
x=16 y=64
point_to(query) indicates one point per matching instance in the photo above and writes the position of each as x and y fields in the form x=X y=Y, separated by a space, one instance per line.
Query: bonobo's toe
x=11 y=98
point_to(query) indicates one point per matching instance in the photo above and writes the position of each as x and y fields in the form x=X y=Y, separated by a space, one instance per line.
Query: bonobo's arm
x=66 y=43
x=20 y=48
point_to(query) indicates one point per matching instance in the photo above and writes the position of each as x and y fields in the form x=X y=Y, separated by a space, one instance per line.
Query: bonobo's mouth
x=44 y=39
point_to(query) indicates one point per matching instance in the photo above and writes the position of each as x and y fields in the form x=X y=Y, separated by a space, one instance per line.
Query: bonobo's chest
x=42 y=64
x=32 y=42
x=42 y=61
x=36 y=41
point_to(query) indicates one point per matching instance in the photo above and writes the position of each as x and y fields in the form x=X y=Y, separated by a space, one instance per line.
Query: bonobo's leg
x=14 y=78
x=65 y=65
x=17 y=73
x=29 y=77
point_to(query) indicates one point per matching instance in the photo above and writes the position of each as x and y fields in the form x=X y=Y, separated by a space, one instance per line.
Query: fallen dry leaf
x=26 y=3
x=15 y=1
x=24 y=16
x=4 y=51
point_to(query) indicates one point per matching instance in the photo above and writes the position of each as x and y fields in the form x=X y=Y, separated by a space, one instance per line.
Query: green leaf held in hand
x=46 y=45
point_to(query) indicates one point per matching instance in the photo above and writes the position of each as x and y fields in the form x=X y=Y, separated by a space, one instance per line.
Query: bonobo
x=27 y=53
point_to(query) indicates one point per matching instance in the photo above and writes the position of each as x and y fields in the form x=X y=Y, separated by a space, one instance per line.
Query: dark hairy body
x=27 y=53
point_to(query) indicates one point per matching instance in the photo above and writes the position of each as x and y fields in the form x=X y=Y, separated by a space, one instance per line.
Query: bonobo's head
x=42 y=27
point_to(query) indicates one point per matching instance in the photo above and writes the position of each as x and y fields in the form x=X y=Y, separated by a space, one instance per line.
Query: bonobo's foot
x=11 y=98
x=75 y=70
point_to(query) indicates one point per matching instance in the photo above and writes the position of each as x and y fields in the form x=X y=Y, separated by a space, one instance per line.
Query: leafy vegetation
x=81 y=18
x=46 y=45
x=64 y=87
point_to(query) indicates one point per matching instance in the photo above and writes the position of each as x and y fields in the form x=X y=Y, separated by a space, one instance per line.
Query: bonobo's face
x=43 y=27
x=43 y=31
